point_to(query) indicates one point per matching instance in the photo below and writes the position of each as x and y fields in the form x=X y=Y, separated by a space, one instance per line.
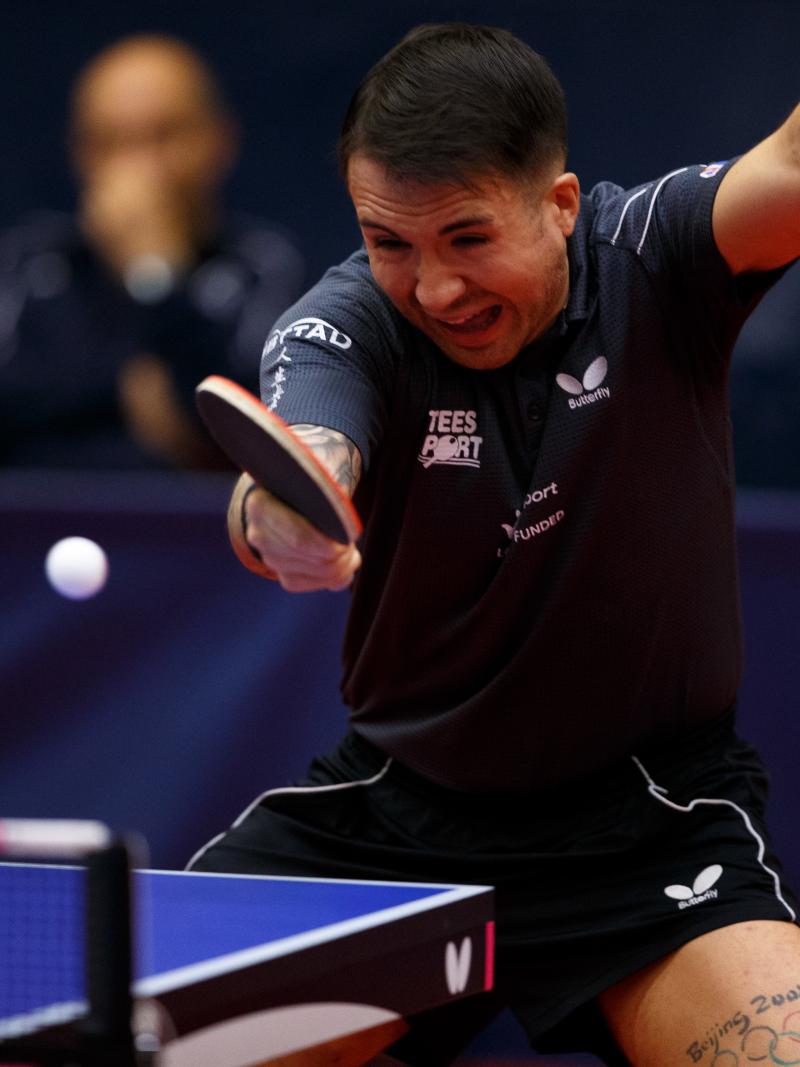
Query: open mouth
x=472 y=324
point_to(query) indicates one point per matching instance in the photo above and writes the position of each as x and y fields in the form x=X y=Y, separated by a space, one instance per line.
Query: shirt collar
x=582 y=292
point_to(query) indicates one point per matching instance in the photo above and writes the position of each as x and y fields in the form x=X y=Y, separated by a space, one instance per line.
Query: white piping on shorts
x=297 y=789
x=650 y=209
x=658 y=792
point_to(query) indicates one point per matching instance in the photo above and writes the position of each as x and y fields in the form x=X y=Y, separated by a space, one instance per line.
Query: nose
x=437 y=287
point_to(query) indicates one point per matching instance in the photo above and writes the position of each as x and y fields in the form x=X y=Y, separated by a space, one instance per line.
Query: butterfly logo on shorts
x=700 y=890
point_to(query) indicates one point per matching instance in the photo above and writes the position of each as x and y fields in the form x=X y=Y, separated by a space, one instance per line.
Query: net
x=42 y=947
x=65 y=945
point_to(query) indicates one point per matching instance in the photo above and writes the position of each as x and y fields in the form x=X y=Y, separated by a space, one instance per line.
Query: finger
x=273 y=528
x=305 y=576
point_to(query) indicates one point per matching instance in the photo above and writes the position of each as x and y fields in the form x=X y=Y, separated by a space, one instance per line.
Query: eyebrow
x=451 y=227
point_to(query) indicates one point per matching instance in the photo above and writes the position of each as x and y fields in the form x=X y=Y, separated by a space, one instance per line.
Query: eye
x=389 y=244
x=467 y=240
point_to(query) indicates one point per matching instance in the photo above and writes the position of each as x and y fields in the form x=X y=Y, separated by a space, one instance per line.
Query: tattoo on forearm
x=336 y=451
x=746 y=1038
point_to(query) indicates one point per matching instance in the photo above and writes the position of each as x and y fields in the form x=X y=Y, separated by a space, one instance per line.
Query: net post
x=106 y=1031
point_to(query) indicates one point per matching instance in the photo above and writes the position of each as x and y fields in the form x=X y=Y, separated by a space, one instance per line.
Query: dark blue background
x=650 y=85
x=170 y=700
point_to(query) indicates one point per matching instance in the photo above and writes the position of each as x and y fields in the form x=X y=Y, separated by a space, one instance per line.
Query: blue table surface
x=181 y=920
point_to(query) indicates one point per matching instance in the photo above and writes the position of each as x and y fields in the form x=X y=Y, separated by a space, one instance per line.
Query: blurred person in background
x=108 y=319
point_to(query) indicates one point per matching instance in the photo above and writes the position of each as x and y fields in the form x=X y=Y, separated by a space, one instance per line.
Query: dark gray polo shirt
x=549 y=578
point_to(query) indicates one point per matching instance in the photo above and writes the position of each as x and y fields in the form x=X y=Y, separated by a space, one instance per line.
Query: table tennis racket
x=259 y=442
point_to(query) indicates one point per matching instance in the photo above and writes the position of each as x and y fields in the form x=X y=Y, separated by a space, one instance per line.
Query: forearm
x=757 y=208
x=791 y=133
x=787 y=138
x=336 y=453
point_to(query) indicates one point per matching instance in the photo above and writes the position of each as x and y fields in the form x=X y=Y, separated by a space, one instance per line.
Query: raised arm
x=757 y=209
x=275 y=542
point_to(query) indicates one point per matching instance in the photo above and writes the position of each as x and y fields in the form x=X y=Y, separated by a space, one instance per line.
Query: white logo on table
x=457 y=964
x=699 y=891
x=590 y=389
x=451 y=439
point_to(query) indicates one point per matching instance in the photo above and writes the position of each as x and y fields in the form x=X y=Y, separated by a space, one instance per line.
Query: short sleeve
x=666 y=224
x=332 y=358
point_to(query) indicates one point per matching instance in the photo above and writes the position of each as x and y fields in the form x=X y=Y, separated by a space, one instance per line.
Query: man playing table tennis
x=524 y=388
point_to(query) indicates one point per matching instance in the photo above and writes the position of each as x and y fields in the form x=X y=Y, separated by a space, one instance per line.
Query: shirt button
x=534 y=412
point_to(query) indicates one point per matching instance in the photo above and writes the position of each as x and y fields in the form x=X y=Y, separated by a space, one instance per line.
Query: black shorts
x=592 y=882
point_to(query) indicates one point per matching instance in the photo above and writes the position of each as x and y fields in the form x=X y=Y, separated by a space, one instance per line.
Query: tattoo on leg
x=748 y=1037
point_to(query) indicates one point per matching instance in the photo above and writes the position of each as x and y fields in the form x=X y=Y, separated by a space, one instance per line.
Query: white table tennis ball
x=76 y=567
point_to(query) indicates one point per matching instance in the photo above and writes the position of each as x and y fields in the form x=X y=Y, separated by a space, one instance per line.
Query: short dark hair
x=454 y=100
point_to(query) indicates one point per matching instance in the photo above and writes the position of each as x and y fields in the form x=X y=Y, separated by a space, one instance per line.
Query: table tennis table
x=238 y=970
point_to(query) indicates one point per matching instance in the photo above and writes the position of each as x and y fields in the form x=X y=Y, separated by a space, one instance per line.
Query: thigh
x=726 y=999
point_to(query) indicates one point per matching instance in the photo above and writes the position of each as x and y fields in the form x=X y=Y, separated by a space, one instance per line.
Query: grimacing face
x=481 y=269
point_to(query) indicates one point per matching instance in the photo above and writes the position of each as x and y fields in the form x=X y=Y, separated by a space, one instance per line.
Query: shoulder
x=679 y=200
x=344 y=307
x=333 y=358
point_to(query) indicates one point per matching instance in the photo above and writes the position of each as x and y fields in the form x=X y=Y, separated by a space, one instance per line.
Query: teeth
x=474 y=322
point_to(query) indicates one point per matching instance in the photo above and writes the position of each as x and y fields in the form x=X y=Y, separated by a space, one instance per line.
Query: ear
x=565 y=195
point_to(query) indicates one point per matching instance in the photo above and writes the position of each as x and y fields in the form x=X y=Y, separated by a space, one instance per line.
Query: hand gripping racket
x=262 y=444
